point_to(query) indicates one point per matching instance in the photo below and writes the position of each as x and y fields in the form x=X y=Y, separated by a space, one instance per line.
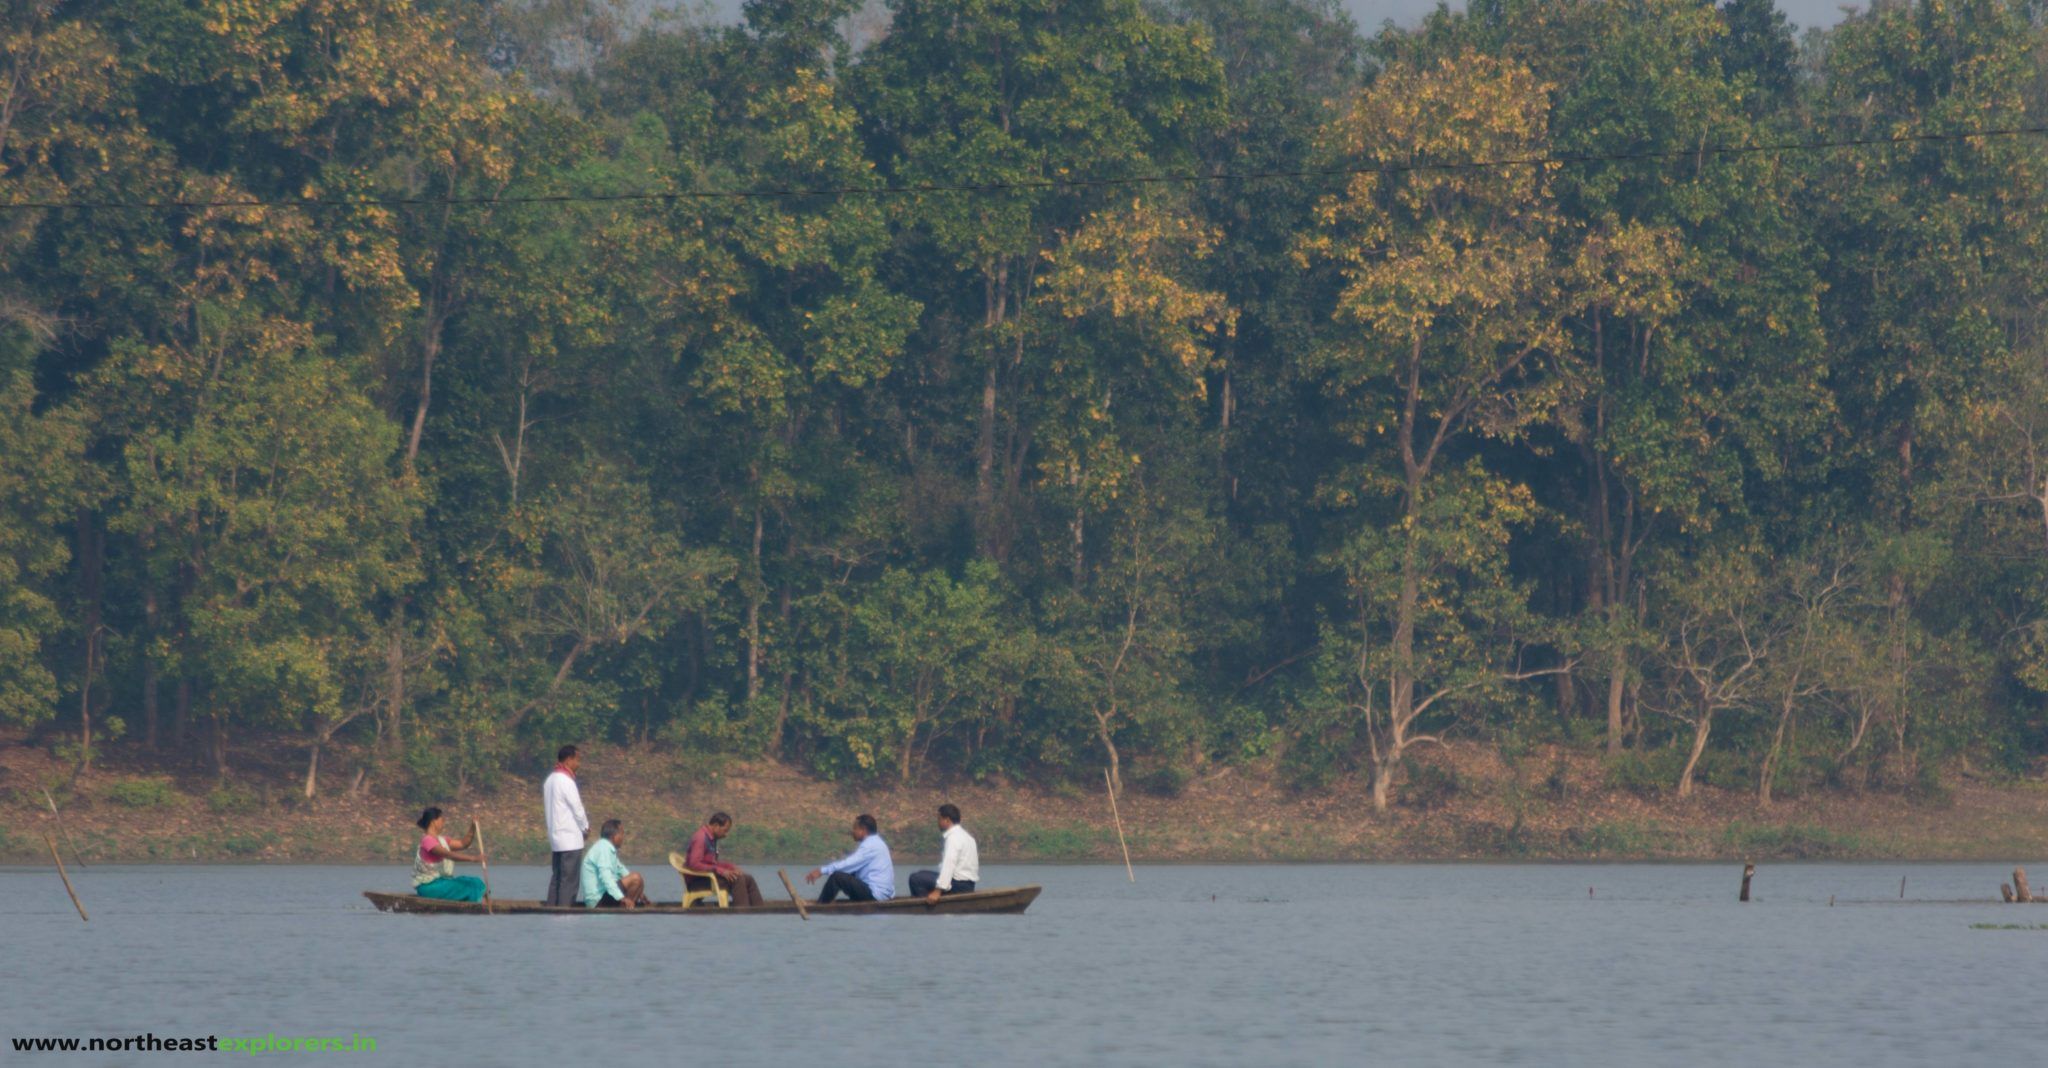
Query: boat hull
x=1010 y=901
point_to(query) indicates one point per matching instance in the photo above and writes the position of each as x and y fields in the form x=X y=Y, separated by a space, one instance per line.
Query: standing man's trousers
x=567 y=879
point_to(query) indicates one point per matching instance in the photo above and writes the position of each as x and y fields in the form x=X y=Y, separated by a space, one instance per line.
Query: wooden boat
x=1010 y=900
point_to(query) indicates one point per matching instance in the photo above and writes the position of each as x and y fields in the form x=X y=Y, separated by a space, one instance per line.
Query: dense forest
x=1007 y=389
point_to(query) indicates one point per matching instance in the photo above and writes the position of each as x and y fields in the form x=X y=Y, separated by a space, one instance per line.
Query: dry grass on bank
x=1469 y=804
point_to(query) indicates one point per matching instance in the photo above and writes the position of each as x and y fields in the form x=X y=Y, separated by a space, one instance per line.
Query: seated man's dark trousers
x=847 y=883
x=923 y=882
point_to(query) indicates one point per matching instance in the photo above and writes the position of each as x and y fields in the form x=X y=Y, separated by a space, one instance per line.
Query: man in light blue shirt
x=606 y=882
x=866 y=874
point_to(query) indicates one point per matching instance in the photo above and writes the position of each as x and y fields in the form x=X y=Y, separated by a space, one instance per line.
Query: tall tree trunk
x=313 y=766
x=773 y=749
x=1016 y=452
x=181 y=712
x=1077 y=528
x=1382 y=780
x=219 y=747
x=693 y=646
x=85 y=705
x=150 y=682
x=430 y=351
x=1901 y=605
x=1401 y=696
x=1116 y=768
x=1611 y=540
x=754 y=591
x=995 y=304
x=1599 y=504
x=91 y=557
x=1901 y=609
x=1226 y=411
x=786 y=613
x=909 y=748
x=1867 y=710
x=1617 y=688
x=1401 y=650
x=394 y=685
x=1700 y=729
x=985 y=460
x=1769 y=774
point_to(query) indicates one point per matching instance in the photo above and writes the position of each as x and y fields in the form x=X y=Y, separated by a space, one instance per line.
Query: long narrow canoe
x=1011 y=900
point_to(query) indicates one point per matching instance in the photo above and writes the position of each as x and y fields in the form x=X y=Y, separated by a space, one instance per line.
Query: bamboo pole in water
x=52 y=843
x=63 y=830
x=801 y=909
x=1114 y=814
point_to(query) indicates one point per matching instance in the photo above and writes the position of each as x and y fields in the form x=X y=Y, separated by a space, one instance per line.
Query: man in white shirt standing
x=562 y=805
x=959 y=861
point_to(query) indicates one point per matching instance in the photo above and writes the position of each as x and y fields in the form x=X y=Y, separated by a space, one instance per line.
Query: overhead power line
x=922 y=188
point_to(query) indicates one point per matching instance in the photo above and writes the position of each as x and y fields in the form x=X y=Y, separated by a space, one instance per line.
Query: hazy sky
x=1370 y=13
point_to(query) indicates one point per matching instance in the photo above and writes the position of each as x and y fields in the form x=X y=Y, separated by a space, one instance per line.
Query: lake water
x=1298 y=964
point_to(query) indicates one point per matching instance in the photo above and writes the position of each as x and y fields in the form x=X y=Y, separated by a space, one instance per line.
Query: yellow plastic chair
x=691 y=897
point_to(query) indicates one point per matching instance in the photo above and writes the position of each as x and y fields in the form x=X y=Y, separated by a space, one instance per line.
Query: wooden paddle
x=801 y=908
x=477 y=830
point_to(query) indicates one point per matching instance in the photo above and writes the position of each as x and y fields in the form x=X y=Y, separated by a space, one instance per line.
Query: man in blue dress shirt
x=866 y=874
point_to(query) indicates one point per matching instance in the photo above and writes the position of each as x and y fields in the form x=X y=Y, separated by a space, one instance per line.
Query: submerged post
x=52 y=843
x=1748 y=870
x=2019 y=886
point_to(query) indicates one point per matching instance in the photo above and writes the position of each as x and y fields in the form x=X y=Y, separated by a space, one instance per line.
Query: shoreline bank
x=1228 y=815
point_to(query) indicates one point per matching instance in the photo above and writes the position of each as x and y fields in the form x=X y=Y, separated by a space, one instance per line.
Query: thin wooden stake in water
x=52 y=843
x=801 y=909
x=1902 y=888
x=1747 y=871
x=483 y=859
x=1111 y=787
x=63 y=830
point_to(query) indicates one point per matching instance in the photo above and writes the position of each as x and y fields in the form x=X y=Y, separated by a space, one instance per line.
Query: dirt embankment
x=1471 y=805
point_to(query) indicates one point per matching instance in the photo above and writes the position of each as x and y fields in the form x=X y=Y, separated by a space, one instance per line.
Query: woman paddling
x=433 y=863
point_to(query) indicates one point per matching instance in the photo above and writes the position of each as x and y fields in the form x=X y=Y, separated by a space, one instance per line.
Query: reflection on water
x=1645 y=964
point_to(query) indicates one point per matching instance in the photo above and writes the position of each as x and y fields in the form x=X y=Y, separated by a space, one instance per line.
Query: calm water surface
x=1388 y=964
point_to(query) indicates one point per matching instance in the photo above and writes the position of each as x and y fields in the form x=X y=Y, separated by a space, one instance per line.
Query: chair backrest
x=682 y=866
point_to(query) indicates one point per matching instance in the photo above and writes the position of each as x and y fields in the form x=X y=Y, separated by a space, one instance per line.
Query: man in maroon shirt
x=703 y=856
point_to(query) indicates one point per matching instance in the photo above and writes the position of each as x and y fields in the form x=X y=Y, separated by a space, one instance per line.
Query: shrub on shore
x=152 y=792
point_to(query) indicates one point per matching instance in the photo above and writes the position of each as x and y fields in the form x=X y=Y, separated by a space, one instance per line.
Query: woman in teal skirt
x=433 y=863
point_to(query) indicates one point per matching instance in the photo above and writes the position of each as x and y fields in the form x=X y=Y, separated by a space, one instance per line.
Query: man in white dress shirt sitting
x=562 y=806
x=959 y=861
